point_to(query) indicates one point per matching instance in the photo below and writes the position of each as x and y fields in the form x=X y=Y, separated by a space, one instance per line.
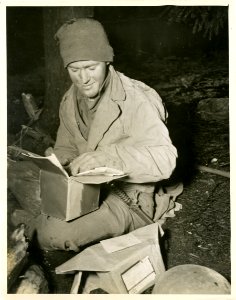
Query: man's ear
x=107 y=63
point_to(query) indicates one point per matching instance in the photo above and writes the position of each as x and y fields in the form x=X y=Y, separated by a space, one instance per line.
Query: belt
x=129 y=202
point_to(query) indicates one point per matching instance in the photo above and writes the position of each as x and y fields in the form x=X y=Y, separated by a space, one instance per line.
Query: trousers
x=112 y=219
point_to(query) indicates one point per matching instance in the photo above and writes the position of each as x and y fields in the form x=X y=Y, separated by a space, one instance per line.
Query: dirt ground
x=200 y=232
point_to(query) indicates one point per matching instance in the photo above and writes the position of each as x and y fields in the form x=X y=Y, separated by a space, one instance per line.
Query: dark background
x=133 y=31
x=145 y=40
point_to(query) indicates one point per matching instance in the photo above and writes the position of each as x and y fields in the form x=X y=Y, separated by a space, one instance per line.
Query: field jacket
x=128 y=126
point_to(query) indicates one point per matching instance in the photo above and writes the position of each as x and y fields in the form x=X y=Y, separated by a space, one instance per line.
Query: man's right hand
x=48 y=151
x=63 y=158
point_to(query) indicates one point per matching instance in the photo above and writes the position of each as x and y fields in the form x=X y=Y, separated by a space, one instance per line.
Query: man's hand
x=48 y=151
x=88 y=161
x=63 y=158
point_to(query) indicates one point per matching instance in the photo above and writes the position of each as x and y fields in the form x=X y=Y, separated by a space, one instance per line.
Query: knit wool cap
x=83 y=39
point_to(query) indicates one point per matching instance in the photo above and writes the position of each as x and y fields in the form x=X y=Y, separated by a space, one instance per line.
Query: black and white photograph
x=118 y=149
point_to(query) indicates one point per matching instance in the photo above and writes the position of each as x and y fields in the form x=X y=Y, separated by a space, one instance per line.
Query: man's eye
x=73 y=70
x=92 y=68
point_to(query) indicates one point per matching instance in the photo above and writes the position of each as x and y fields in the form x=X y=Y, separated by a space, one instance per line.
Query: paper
x=96 y=179
x=99 y=175
x=52 y=158
x=50 y=162
x=102 y=171
x=119 y=243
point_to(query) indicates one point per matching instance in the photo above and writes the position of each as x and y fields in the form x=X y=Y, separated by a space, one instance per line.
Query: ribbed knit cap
x=83 y=39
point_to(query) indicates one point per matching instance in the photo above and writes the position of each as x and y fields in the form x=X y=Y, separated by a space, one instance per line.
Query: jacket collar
x=117 y=90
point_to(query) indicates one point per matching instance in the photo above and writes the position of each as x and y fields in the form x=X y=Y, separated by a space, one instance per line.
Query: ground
x=200 y=232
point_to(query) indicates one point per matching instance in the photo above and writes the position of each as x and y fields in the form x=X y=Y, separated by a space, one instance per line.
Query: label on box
x=139 y=276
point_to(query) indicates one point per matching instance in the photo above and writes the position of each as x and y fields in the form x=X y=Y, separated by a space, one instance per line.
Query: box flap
x=95 y=258
x=48 y=163
x=52 y=164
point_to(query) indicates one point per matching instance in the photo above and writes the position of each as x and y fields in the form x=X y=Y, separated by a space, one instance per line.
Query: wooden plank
x=76 y=283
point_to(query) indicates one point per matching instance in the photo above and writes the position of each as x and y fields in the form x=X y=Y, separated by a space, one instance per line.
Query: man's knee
x=44 y=233
x=51 y=236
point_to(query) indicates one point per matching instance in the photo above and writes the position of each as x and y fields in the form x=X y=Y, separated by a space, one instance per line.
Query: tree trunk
x=56 y=78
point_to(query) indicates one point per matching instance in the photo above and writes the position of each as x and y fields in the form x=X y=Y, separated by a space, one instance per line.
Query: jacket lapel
x=108 y=111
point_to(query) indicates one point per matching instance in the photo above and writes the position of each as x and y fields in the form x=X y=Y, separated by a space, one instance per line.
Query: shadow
x=181 y=128
x=164 y=245
x=49 y=260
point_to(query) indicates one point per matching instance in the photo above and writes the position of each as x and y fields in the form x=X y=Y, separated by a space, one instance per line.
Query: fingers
x=74 y=167
x=81 y=164
x=48 y=151
x=87 y=161
x=64 y=161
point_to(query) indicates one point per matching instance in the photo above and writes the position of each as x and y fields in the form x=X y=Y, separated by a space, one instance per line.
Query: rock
x=17 y=248
x=33 y=282
x=23 y=182
x=16 y=254
x=213 y=109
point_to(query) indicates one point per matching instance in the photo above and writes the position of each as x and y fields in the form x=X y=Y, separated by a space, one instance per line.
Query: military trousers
x=112 y=219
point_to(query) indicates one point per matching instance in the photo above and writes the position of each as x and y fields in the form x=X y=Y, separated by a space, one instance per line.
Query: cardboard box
x=66 y=197
x=128 y=270
x=63 y=196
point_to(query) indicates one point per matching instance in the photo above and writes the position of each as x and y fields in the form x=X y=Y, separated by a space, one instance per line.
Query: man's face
x=88 y=76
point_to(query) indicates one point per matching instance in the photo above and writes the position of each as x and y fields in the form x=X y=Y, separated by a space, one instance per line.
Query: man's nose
x=84 y=76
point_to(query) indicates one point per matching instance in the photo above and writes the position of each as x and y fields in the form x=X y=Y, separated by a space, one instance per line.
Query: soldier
x=106 y=119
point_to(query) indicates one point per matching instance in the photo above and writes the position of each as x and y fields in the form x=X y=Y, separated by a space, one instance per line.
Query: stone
x=33 y=282
x=213 y=109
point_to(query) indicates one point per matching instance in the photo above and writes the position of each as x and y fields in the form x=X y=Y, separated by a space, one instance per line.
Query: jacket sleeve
x=150 y=156
x=64 y=146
